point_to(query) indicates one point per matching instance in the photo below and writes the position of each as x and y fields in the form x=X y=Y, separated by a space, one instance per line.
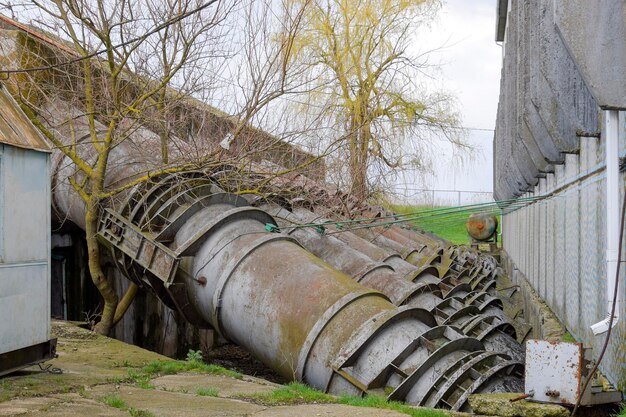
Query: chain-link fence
x=441 y=198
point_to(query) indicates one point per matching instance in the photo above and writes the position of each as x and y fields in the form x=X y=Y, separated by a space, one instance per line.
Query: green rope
x=442 y=215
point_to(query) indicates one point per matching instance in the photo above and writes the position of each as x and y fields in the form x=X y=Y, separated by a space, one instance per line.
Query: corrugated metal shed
x=15 y=128
x=24 y=240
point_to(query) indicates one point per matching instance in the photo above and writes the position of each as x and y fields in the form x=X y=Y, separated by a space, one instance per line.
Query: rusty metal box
x=557 y=371
x=553 y=371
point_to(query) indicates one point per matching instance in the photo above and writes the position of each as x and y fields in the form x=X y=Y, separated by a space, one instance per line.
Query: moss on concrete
x=500 y=405
x=85 y=358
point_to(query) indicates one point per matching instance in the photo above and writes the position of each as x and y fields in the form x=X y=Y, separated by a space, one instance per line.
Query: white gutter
x=611 y=134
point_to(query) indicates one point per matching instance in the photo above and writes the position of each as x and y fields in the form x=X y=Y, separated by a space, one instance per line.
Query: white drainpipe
x=611 y=134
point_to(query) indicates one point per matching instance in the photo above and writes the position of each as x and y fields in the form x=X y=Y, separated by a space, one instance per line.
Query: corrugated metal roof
x=15 y=128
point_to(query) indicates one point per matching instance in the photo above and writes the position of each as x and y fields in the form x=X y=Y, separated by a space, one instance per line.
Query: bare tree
x=118 y=70
x=120 y=59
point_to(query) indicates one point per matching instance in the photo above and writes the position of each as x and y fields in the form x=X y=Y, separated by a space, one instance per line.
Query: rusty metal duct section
x=436 y=262
x=475 y=313
x=209 y=255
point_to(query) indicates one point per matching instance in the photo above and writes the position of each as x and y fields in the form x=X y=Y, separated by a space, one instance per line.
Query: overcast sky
x=471 y=63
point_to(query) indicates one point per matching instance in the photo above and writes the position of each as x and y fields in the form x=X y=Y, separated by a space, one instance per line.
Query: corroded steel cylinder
x=481 y=226
x=360 y=267
x=213 y=257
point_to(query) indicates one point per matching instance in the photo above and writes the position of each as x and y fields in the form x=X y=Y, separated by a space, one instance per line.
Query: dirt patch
x=233 y=357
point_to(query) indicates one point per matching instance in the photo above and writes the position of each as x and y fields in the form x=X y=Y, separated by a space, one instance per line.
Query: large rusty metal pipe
x=307 y=320
x=213 y=257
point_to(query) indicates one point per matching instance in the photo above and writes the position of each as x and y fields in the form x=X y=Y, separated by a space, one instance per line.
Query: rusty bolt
x=202 y=281
x=522 y=397
x=553 y=393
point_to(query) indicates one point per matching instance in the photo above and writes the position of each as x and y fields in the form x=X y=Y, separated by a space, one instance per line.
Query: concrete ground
x=103 y=377
x=95 y=382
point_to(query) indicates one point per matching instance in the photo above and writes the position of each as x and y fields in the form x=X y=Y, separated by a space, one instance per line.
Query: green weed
x=141 y=379
x=194 y=356
x=121 y=364
x=114 y=401
x=169 y=367
x=135 y=412
x=142 y=376
x=567 y=337
x=207 y=392
x=292 y=393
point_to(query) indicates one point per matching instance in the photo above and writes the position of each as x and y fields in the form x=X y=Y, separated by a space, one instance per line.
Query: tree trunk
x=358 y=156
x=125 y=302
x=95 y=269
x=358 y=176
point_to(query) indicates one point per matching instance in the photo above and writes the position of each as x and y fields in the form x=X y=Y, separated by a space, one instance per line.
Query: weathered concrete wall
x=558 y=244
x=545 y=103
x=563 y=62
x=595 y=33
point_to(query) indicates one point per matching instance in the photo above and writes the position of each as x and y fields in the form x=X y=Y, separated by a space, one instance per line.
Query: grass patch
x=297 y=393
x=374 y=401
x=135 y=412
x=142 y=376
x=449 y=225
x=122 y=364
x=567 y=337
x=142 y=380
x=292 y=393
x=170 y=367
x=115 y=402
x=207 y=392
x=622 y=413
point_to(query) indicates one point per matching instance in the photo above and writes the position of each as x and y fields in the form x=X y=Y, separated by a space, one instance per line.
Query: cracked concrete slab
x=225 y=386
x=95 y=367
x=178 y=404
x=68 y=405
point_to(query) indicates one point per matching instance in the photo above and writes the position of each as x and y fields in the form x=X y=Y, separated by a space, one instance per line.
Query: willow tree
x=365 y=76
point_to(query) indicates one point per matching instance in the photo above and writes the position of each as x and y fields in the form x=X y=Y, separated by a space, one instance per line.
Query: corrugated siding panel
x=26 y=185
x=24 y=305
